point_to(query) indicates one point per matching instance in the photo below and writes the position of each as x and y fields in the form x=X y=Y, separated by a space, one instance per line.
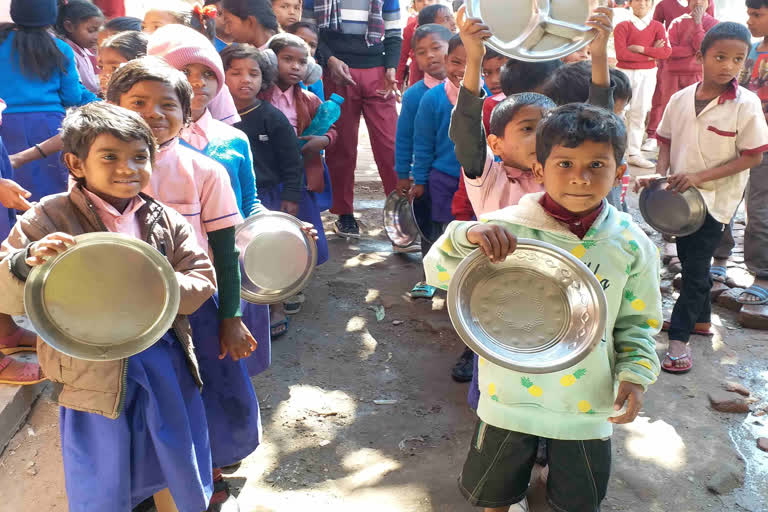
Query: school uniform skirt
x=21 y=131
x=7 y=217
x=159 y=440
x=256 y=319
x=231 y=406
x=442 y=187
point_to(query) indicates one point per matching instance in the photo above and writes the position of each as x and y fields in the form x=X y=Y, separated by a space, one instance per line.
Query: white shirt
x=730 y=126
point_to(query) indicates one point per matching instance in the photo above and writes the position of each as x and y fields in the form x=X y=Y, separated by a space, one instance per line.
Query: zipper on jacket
x=124 y=389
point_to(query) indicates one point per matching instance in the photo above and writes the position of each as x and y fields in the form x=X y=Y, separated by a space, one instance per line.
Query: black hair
x=130 y=44
x=573 y=124
x=454 y=42
x=247 y=51
x=622 y=89
x=508 y=108
x=75 y=12
x=519 y=76
x=283 y=40
x=151 y=69
x=259 y=9
x=756 y=4
x=83 y=125
x=123 y=24
x=570 y=83
x=490 y=53
x=726 y=30
x=456 y=4
x=205 y=23
x=295 y=27
x=430 y=12
x=431 y=29
x=35 y=50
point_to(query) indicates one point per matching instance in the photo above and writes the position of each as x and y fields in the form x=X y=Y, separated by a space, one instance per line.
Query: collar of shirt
x=641 y=23
x=114 y=220
x=730 y=92
x=431 y=81
x=577 y=224
x=196 y=133
x=452 y=92
x=513 y=173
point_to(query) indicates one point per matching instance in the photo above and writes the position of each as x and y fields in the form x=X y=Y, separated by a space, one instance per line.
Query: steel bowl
x=277 y=258
x=672 y=213
x=108 y=297
x=540 y=311
x=399 y=220
x=535 y=30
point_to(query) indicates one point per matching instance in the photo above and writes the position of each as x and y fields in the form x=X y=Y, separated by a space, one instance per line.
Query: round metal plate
x=399 y=221
x=535 y=30
x=539 y=311
x=107 y=297
x=276 y=257
x=670 y=212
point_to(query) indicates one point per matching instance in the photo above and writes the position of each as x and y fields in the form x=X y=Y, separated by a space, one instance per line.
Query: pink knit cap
x=181 y=46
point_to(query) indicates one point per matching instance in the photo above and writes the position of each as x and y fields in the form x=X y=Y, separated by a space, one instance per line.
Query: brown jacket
x=99 y=387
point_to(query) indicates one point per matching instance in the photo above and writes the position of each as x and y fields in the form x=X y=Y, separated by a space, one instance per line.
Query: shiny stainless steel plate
x=276 y=257
x=399 y=221
x=670 y=212
x=107 y=297
x=540 y=311
x=535 y=30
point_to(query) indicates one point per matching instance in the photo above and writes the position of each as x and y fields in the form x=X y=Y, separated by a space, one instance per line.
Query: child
x=135 y=427
x=407 y=65
x=440 y=14
x=287 y=12
x=78 y=23
x=199 y=188
x=640 y=42
x=308 y=32
x=116 y=51
x=710 y=133
x=115 y=25
x=249 y=21
x=222 y=36
x=577 y=56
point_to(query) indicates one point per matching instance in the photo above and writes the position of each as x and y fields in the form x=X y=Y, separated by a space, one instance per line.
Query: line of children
x=407 y=67
x=78 y=23
x=117 y=25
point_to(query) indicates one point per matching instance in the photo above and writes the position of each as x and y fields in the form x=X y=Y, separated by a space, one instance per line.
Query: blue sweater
x=24 y=94
x=432 y=148
x=404 y=136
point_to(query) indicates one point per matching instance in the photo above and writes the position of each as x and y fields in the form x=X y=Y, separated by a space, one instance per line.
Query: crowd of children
x=176 y=127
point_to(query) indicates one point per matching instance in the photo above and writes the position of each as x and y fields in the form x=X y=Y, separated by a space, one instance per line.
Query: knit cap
x=180 y=46
x=34 y=13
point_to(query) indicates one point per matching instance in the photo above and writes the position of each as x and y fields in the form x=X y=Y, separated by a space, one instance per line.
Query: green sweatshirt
x=574 y=403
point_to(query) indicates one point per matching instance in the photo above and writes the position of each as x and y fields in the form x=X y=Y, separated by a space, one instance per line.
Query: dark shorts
x=499 y=465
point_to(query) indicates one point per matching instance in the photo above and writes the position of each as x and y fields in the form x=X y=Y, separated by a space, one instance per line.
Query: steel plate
x=107 y=297
x=277 y=258
x=399 y=220
x=535 y=30
x=672 y=213
x=540 y=311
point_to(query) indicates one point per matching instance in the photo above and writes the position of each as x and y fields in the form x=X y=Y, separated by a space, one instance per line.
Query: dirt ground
x=331 y=444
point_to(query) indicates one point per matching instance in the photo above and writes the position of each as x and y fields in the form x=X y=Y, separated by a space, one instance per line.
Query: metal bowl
x=107 y=297
x=399 y=220
x=535 y=30
x=672 y=213
x=540 y=311
x=277 y=258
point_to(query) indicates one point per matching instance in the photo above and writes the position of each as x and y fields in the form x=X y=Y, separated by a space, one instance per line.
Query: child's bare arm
x=681 y=182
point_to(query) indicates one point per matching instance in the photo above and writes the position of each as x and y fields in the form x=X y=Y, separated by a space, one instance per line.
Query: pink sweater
x=685 y=38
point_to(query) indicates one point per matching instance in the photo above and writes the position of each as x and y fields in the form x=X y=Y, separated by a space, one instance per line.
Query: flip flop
x=718 y=273
x=26 y=373
x=676 y=369
x=10 y=344
x=293 y=304
x=756 y=290
x=422 y=291
x=277 y=324
x=698 y=332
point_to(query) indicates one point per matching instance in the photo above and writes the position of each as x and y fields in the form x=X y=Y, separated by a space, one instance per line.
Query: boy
x=708 y=148
x=287 y=12
x=406 y=65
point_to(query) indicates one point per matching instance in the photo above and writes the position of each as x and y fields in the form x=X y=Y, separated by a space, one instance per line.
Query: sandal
x=273 y=328
x=677 y=369
x=422 y=290
x=698 y=332
x=19 y=374
x=10 y=344
x=293 y=304
x=719 y=274
x=756 y=290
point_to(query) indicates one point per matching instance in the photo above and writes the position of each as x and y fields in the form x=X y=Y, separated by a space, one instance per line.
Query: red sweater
x=685 y=37
x=627 y=34
x=488 y=105
x=111 y=8
x=414 y=73
x=461 y=206
x=669 y=10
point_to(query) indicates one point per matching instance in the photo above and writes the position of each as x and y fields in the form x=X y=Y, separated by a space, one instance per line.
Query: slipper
x=676 y=369
x=276 y=325
x=698 y=332
x=26 y=374
x=422 y=291
x=756 y=290
x=10 y=344
x=718 y=273
x=293 y=304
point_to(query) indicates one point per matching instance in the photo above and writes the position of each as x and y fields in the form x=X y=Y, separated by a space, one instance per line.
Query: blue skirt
x=442 y=187
x=256 y=319
x=231 y=406
x=158 y=441
x=22 y=131
x=7 y=217
x=308 y=212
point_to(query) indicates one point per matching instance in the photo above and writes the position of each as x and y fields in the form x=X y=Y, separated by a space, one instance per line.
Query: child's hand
x=403 y=186
x=315 y=143
x=697 y=13
x=495 y=241
x=310 y=230
x=659 y=43
x=635 y=48
x=48 y=247
x=683 y=181
x=13 y=196
x=473 y=32
x=235 y=339
x=632 y=394
x=416 y=192
x=289 y=207
x=644 y=181
x=602 y=21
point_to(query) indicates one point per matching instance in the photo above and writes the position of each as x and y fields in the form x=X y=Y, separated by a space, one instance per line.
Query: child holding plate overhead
x=579 y=149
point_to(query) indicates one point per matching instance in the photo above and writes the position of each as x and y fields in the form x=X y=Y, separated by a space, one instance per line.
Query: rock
x=677 y=282
x=31 y=471
x=674 y=266
x=726 y=479
x=762 y=443
x=666 y=287
x=727 y=299
x=754 y=316
x=725 y=401
x=736 y=387
x=397 y=322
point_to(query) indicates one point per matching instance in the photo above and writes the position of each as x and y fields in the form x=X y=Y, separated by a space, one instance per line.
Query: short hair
x=430 y=12
x=569 y=83
x=247 y=51
x=130 y=44
x=75 y=12
x=283 y=40
x=456 y=4
x=726 y=30
x=622 y=87
x=82 y=125
x=259 y=9
x=520 y=76
x=430 y=29
x=151 y=69
x=454 y=42
x=123 y=24
x=490 y=53
x=295 y=27
x=757 y=4
x=573 y=124
x=507 y=109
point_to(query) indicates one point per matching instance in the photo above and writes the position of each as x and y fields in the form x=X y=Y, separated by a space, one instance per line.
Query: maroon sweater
x=627 y=34
x=669 y=10
x=685 y=37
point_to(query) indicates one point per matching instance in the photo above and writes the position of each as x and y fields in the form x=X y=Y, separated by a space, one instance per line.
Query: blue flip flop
x=756 y=290
x=276 y=325
x=718 y=273
x=422 y=291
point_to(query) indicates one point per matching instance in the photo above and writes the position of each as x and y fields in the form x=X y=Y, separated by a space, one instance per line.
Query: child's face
x=109 y=61
x=757 y=23
x=723 y=60
x=287 y=12
x=237 y=28
x=492 y=73
x=418 y=5
x=445 y=18
x=429 y=54
x=153 y=20
x=159 y=105
x=114 y=170
x=641 y=8
x=291 y=66
x=455 y=63
x=579 y=178
x=702 y=4
x=517 y=148
x=86 y=33
x=577 y=56
x=244 y=80
x=204 y=84
x=309 y=37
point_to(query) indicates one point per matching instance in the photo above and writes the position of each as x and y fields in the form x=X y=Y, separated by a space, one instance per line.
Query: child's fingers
x=223 y=352
x=495 y=245
x=461 y=16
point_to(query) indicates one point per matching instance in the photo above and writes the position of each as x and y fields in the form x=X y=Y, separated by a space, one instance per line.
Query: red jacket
x=488 y=105
x=627 y=34
x=668 y=11
x=414 y=73
x=111 y=8
x=685 y=37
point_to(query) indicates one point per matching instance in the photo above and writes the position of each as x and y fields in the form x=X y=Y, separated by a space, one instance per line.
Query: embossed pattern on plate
x=670 y=212
x=399 y=220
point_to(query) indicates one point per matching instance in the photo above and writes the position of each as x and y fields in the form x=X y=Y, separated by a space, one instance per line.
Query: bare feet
x=748 y=297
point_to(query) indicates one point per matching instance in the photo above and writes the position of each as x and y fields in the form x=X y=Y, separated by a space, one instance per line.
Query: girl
x=222 y=36
x=116 y=51
x=121 y=24
x=135 y=427
x=249 y=21
x=199 y=188
x=78 y=24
